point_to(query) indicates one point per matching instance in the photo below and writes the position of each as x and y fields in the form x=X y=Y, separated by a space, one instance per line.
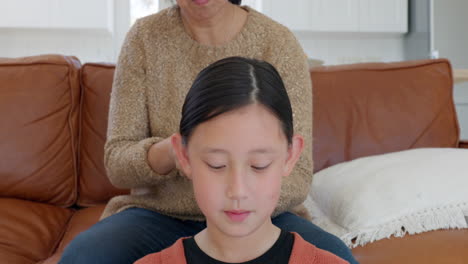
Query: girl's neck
x=231 y=249
x=218 y=29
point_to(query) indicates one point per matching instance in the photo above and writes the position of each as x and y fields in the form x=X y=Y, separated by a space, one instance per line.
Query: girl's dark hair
x=236 y=2
x=232 y=83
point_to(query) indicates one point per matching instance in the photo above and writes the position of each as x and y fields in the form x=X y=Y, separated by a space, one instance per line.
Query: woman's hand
x=161 y=157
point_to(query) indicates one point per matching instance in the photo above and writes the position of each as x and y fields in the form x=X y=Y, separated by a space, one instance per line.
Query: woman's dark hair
x=232 y=83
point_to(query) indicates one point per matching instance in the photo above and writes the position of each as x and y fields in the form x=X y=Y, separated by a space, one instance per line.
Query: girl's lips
x=200 y=2
x=237 y=216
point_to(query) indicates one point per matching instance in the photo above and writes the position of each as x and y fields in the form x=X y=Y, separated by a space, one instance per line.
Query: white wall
x=345 y=48
x=345 y=31
x=450 y=39
x=88 y=44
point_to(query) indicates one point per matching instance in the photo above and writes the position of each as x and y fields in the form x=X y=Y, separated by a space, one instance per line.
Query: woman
x=160 y=58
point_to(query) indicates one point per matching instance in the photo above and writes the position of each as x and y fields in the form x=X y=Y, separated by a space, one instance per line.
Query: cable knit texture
x=302 y=252
x=156 y=68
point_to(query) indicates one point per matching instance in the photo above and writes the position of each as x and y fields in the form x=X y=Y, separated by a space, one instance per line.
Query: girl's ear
x=294 y=152
x=181 y=155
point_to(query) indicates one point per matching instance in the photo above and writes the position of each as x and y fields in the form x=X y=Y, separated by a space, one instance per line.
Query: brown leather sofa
x=375 y=108
x=53 y=119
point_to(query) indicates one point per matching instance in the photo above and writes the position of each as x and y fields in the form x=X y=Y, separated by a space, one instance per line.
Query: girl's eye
x=216 y=167
x=260 y=167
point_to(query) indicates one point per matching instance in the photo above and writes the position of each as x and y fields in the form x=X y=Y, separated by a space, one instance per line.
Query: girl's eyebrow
x=209 y=150
x=262 y=151
x=214 y=150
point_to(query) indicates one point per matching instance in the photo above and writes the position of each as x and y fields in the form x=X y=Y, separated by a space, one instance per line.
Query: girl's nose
x=237 y=187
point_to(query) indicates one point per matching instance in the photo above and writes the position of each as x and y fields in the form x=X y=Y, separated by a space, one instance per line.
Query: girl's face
x=236 y=162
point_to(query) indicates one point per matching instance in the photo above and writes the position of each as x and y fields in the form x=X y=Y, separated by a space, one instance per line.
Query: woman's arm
x=128 y=136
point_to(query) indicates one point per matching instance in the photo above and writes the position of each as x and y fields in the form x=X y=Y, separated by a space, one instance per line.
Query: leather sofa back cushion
x=374 y=108
x=94 y=186
x=38 y=134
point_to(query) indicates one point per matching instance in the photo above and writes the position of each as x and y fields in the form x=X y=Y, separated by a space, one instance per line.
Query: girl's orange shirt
x=302 y=252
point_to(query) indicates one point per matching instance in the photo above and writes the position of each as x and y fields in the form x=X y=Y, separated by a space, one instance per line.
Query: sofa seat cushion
x=80 y=221
x=30 y=231
x=440 y=246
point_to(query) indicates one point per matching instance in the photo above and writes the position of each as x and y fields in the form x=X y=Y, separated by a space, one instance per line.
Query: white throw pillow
x=375 y=197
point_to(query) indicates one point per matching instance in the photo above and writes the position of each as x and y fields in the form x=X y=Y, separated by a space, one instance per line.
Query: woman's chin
x=200 y=2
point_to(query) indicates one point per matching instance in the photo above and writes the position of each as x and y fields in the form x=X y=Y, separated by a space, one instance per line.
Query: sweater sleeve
x=291 y=62
x=128 y=133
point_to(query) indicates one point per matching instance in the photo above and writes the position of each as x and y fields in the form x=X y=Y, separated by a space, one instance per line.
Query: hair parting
x=233 y=83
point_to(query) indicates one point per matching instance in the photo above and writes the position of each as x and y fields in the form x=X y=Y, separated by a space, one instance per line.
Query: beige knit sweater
x=156 y=67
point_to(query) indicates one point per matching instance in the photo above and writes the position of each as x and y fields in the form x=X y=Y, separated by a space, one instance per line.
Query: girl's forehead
x=266 y=150
x=250 y=111
x=246 y=118
x=249 y=130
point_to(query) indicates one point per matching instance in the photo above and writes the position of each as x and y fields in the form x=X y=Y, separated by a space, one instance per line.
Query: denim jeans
x=131 y=234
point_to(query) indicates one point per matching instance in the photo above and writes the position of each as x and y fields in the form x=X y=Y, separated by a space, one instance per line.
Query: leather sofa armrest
x=463 y=144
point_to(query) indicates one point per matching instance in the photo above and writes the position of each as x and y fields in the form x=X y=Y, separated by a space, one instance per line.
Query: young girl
x=236 y=144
